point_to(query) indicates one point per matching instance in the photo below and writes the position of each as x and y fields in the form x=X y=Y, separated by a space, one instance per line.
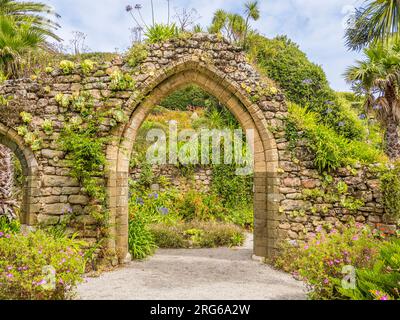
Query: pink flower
x=10 y=275
x=326 y=281
x=355 y=238
x=306 y=247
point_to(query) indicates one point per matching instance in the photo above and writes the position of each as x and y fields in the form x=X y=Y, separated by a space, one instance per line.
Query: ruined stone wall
x=200 y=179
x=285 y=182
x=311 y=202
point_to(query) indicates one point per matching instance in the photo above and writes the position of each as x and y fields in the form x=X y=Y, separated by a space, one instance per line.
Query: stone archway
x=11 y=139
x=249 y=116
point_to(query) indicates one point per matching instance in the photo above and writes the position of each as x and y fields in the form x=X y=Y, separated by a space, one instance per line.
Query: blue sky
x=316 y=25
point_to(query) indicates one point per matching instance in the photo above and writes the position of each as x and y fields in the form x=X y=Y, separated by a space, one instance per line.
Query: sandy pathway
x=205 y=274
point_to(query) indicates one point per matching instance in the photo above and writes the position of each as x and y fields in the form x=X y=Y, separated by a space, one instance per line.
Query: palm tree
x=37 y=14
x=17 y=40
x=378 y=78
x=251 y=11
x=233 y=26
x=377 y=21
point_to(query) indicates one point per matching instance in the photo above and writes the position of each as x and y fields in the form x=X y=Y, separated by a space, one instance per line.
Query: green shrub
x=192 y=95
x=390 y=187
x=87 y=66
x=320 y=262
x=234 y=190
x=304 y=83
x=67 y=66
x=331 y=150
x=382 y=280
x=9 y=226
x=168 y=237
x=140 y=239
x=39 y=267
x=136 y=55
x=197 y=234
x=121 y=81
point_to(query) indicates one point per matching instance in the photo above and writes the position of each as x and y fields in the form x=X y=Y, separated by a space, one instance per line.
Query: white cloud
x=314 y=24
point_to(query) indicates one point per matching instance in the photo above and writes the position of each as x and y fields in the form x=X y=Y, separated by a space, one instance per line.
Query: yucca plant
x=161 y=32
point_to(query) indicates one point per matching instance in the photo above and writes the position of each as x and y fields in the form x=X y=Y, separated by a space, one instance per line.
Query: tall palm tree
x=233 y=26
x=378 y=20
x=378 y=78
x=39 y=15
x=252 y=11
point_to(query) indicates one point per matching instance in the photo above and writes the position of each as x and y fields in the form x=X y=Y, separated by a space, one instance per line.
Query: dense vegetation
x=337 y=128
x=171 y=219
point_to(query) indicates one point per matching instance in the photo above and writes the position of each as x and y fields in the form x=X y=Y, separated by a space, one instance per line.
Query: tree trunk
x=392 y=143
x=7 y=204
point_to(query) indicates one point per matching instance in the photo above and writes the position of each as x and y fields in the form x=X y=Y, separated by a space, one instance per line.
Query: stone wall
x=52 y=195
x=200 y=179
x=311 y=202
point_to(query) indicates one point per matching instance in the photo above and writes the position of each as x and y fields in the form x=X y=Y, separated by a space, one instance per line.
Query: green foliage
x=320 y=262
x=197 y=234
x=121 y=81
x=235 y=191
x=9 y=227
x=67 y=67
x=47 y=126
x=87 y=66
x=191 y=96
x=87 y=159
x=382 y=280
x=140 y=239
x=26 y=262
x=26 y=117
x=63 y=100
x=331 y=149
x=304 y=83
x=161 y=32
x=136 y=55
x=390 y=187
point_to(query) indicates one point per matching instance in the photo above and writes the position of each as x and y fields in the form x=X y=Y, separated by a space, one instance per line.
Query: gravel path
x=204 y=274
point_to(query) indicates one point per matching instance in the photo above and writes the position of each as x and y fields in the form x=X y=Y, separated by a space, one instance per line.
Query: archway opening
x=191 y=176
x=14 y=187
x=249 y=115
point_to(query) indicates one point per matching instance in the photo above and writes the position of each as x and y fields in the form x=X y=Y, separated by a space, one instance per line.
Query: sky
x=316 y=25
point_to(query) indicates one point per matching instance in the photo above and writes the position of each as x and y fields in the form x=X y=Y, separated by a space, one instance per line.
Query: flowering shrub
x=321 y=261
x=39 y=267
x=382 y=281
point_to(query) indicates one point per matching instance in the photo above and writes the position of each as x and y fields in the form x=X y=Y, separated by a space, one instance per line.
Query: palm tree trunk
x=7 y=204
x=392 y=143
